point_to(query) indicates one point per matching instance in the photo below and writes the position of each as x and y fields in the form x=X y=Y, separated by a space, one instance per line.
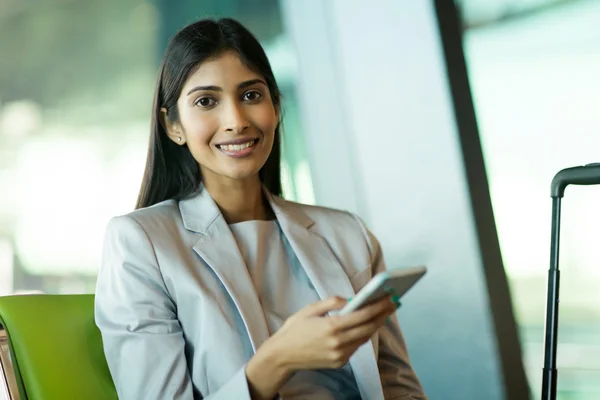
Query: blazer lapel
x=218 y=248
x=329 y=279
x=322 y=267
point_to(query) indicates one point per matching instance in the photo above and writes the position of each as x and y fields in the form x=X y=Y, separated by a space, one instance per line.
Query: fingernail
x=398 y=304
x=349 y=298
x=395 y=299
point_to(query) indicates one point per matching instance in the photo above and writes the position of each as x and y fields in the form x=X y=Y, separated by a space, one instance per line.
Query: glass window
x=536 y=88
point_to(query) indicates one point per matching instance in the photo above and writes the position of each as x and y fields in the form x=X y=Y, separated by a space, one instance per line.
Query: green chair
x=51 y=349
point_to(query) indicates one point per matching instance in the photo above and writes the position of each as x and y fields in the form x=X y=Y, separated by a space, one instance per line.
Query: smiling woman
x=220 y=90
x=227 y=119
x=216 y=286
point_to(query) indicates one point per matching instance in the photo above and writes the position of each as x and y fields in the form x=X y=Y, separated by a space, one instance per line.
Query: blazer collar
x=201 y=214
x=199 y=211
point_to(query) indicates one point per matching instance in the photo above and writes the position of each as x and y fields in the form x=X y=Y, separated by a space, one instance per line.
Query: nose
x=234 y=118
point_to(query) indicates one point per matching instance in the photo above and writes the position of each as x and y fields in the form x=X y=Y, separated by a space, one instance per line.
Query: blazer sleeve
x=143 y=340
x=398 y=378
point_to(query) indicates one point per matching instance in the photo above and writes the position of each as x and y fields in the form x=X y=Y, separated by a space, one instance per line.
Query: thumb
x=322 y=307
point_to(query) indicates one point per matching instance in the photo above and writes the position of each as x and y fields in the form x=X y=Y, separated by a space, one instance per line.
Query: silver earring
x=179 y=138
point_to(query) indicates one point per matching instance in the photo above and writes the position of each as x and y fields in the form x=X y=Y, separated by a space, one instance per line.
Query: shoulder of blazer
x=163 y=214
x=330 y=221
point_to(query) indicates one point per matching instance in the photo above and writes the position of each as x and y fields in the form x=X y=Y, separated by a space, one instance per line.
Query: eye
x=252 y=95
x=205 y=102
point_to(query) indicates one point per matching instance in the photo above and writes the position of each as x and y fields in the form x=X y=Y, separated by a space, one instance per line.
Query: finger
x=379 y=308
x=361 y=333
x=323 y=307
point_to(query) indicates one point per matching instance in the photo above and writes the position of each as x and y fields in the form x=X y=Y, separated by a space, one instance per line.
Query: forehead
x=226 y=70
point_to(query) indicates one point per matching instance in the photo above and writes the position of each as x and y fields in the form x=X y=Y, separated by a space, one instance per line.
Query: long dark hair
x=171 y=171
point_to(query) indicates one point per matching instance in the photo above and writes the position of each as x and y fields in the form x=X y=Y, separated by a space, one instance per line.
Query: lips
x=238 y=148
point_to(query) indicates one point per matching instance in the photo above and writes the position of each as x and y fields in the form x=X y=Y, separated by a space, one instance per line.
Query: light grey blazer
x=174 y=297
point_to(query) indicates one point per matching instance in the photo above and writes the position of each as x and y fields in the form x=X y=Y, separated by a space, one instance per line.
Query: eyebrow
x=213 y=88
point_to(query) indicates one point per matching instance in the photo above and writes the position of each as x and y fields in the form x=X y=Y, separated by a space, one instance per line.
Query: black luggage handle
x=583 y=175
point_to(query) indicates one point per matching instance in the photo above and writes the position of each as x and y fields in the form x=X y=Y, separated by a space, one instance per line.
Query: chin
x=241 y=175
x=243 y=170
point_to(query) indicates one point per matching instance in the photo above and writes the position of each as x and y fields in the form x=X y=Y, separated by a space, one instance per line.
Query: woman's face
x=227 y=119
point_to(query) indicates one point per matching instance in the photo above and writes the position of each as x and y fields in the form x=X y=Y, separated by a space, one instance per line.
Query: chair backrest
x=56 y=348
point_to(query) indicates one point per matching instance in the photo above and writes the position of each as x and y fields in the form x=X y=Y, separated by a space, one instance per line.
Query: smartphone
x=388 y=283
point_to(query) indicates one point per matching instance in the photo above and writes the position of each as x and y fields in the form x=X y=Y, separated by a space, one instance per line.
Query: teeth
x=237 y=147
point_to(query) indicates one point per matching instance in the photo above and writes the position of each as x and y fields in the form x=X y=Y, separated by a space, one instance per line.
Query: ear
x=174 y=131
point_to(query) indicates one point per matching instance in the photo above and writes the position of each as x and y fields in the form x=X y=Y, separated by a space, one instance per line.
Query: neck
x=240 y=200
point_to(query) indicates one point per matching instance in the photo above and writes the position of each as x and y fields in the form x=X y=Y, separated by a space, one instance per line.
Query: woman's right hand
x=310 y=340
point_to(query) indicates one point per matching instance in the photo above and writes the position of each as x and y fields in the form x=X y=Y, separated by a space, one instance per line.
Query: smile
x=238 y=150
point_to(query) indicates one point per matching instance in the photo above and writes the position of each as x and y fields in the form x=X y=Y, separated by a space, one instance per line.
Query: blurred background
x=76 y=83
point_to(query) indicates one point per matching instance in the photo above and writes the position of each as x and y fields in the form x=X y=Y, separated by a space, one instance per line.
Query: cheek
x=267 y=121
x=199 y=128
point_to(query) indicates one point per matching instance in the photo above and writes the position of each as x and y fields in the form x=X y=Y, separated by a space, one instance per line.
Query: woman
x=217 y=288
